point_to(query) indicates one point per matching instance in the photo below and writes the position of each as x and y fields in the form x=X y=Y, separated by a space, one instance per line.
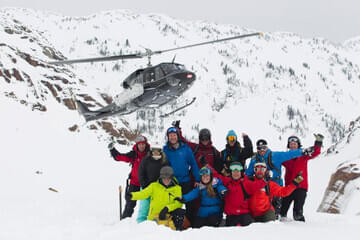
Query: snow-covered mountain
x=269 y=87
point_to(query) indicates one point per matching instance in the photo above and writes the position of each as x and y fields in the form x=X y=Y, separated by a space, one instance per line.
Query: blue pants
x=143 y=210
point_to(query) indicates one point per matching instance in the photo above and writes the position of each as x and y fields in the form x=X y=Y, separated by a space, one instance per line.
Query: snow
x=39 y=153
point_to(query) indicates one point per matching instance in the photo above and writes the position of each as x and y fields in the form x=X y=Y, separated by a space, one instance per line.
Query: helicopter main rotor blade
x=209 y=42
x=98 y=59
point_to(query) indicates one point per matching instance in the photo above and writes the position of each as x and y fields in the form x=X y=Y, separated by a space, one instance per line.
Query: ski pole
x=120 y=201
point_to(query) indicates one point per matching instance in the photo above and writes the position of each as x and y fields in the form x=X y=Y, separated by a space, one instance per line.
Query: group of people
x=212 y=183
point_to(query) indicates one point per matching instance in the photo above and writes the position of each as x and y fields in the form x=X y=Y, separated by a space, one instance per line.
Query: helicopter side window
x=158 y=73
x=149 y=76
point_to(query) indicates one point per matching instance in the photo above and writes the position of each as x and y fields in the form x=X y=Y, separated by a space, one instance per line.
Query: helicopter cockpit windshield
x=135 y=77
x=171 y=67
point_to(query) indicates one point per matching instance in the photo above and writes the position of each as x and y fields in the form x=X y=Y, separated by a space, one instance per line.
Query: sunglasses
x=205 y=171
x=236 y=168
x=259 y=169
x=231 y=138
x=261 y=148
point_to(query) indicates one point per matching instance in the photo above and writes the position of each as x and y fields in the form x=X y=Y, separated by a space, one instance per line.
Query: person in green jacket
x=162 y=194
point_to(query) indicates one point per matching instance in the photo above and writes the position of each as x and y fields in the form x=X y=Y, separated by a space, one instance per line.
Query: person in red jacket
x=236 y=199
x=134 y=157
x=260 y=203
x=204 y=151
x=292 y=168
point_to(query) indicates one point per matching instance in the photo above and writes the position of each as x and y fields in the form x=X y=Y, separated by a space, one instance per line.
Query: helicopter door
x=149 y=76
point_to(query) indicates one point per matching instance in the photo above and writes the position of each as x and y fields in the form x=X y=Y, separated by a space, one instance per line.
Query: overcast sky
x=336 y=20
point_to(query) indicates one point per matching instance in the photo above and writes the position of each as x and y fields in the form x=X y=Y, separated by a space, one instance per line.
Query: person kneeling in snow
x=211 y=191
x=163 y=207
x=260 y=202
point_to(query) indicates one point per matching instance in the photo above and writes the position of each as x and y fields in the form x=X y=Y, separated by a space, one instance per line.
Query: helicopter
x=150 y=87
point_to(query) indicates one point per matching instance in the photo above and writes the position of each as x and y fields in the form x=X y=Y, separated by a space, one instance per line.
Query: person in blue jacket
x=181 y=158
x=273 y=162
x=211 y=191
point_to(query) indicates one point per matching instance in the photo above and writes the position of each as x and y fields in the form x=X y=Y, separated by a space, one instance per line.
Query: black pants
x=211 y=221
x=276 y=202
x=239 y=220
x=266 y=217
x=298 y=196
x=130 y=204
x=189 y=206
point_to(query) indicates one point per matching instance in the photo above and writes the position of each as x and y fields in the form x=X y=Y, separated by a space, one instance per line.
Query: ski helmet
x=294 y=139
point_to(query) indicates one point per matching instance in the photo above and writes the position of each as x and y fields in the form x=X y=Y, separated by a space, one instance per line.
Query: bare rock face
x=340 y=188
x=346 y=180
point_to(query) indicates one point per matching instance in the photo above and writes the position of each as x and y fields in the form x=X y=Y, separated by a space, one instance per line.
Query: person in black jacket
x=149 y=171
x=233 y=151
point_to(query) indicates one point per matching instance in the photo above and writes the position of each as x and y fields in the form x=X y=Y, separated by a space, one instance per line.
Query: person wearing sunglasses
x=234 y=152
x=273 y=161
x=181 y=159
x=134 y=157
x=260 y=203
x=211 y=191
x=292 y=167
x=236 y=201
x=149 y=171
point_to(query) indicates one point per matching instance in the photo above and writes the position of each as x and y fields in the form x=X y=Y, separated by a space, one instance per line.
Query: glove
x=319 y=137
x=203 y=161
x=128 y=196
x=111 y=145
x=224 y=193
x=179 y=199
x=268 y=175
x=163 y=212
x=176 y=123
x=308 y=151
x=298 y=179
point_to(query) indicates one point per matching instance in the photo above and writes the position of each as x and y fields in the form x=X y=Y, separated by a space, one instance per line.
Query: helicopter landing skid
x=178 y=109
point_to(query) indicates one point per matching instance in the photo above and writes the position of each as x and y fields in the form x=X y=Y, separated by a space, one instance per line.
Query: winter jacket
x=133 y=157
x=208 y=205
x=181 y=159
x=210 y=154
x=160 y=197
x=277 y=158
x=260 y=202
x=149 y=169
x=237 y=153
x=236 y=202
x=295 y=165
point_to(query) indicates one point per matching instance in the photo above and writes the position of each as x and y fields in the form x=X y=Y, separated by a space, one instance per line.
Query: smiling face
x=141 y=147
x=173 y=138
x=261 y=150
x=293 y=145
x=166 y=181
x=205 y=179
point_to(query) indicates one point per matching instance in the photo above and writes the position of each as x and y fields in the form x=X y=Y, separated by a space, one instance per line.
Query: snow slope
x=268 y=87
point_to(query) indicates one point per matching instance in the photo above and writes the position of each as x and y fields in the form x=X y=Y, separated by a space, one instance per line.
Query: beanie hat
x=140 y=139
x=231 y=133
x=166 y=172
x=204 y=134
x=294 y=139
x=261 y=143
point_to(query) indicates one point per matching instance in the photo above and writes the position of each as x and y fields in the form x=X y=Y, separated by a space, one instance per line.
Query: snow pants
x=298 y=196
x=269 y=215
x=143 y=210
x=211 y=221
x=239 y=220
x=130 y=204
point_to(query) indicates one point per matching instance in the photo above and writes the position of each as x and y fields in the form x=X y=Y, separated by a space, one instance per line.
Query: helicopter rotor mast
x=148 y=52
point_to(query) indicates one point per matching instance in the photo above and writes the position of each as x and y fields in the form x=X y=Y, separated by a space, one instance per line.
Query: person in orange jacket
x=260 y=203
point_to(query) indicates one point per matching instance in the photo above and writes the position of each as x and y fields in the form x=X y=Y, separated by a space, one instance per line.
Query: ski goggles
x=172 y=130
x=205 y=171
x=236 y=168
x=261 y=148
x=293 y=139
x=260 y=169
x=231 y=138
